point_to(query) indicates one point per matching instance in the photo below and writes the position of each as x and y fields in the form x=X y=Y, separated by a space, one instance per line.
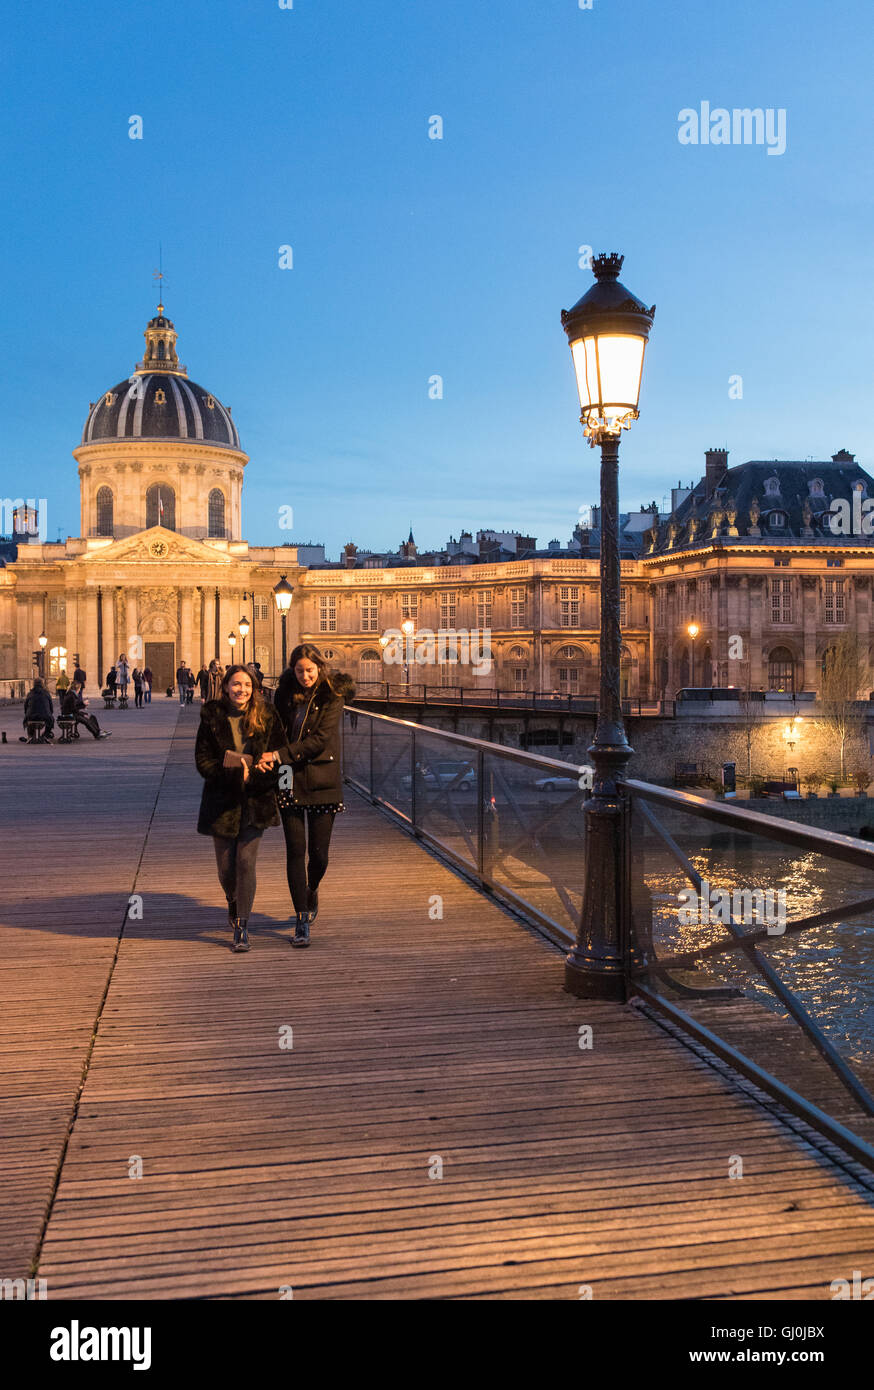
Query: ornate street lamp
x=607 y=330
x=243 y=625
x=408 y=627
x=283 y=593
x=693 y=630
x=232 y=642
x=43 y=643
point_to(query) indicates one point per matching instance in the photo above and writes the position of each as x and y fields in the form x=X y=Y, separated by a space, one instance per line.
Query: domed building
x=160 y=570
x=159 y=450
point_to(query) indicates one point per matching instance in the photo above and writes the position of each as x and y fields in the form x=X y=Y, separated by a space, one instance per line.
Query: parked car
x=557 y=783
x=458 y=776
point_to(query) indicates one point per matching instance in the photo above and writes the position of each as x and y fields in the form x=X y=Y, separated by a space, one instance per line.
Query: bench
x=36 y=731
x=122 y=700
x=108 y=698
x=69 y=730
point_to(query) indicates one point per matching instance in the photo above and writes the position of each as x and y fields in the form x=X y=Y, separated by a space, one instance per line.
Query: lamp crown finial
x=607 y=267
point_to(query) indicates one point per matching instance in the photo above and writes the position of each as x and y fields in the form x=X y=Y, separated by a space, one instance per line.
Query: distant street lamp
x=792 y=733
x=693 y=629
x=232 y=642
x=607 y=330
x=408 y=627
x=243 y=625
x=43 y=643
x=283 y=593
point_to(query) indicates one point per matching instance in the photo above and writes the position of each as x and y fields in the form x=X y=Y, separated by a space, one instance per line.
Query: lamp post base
x=596 y=966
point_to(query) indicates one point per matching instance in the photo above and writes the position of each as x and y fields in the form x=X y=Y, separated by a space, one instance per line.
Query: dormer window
x=859 y=486
x=777 y=520
x=815 y=487
x=772 y=486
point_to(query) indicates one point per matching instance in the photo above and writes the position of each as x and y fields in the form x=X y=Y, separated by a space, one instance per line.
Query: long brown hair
x=255 y=714
x=305 y=651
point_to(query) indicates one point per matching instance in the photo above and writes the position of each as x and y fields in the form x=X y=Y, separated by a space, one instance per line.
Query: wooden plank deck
x=413 y=1040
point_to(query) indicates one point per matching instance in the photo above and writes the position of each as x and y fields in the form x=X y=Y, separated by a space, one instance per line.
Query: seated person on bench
x=38 y=708
x=74 y=708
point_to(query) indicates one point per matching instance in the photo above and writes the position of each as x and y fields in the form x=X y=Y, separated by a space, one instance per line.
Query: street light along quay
x=607 y=330
x=243 y=625
x=283 y=593
x=693 y=629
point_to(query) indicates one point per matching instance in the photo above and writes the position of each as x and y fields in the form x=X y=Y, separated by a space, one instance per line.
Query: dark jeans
x=148 y=694
x=303 y=877
x=236 y=860
x=47 y=724
x=138 y=697
x=89 y=721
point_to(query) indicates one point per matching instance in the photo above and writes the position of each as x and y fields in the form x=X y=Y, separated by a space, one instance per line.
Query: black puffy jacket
x=224 y=792
x=315 y=751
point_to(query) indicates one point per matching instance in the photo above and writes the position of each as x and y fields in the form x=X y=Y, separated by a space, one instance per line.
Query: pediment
x=159 y=546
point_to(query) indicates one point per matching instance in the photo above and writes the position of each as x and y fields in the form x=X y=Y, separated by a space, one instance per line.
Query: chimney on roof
x=843 y=457
x=716 y=463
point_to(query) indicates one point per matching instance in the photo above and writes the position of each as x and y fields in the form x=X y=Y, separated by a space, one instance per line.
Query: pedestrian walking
x=74 y=708
x=182 y=682
x=189 y=686
x=136 y=676
x=238 y=802
x=203 y=683
x=111 y=680
x=147 y=684
x=62 y=685
x=309 y=702
x=79 y=675
x=216 y=676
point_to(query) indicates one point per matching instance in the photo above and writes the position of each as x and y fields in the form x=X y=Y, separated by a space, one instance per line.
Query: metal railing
x=550 y=702
x=513 y=821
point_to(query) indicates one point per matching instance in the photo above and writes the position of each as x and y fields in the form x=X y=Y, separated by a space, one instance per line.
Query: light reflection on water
x=831 y=969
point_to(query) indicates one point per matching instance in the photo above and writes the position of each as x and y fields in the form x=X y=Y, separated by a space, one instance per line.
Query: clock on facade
x=158 y=549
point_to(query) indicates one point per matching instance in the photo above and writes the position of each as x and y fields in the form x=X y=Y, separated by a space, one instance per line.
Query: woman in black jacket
x=238 y=802
x=309 y=701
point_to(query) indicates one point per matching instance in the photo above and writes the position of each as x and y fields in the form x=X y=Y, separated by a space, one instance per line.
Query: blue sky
x=413 y=257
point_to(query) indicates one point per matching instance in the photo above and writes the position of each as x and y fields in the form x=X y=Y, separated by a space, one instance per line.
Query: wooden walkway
x=419 y=1045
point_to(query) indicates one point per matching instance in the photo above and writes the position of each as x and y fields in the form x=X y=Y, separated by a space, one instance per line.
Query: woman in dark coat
x=238 y=802
x=309 y=701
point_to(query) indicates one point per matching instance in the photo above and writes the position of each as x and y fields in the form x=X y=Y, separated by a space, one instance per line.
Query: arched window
x=161 y=349
x=370 y=666
x=161 y=506
x=217 y=513
x=104 y=511
x=781 y=670
x=569 y=659
x=57 y=660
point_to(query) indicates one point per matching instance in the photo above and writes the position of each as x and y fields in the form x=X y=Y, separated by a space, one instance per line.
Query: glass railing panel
x=533 y=837
x=765 y=885
x=447 y=794
x=391 y=765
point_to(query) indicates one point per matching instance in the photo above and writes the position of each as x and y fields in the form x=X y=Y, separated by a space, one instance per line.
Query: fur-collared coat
x=315 y=752
x=224 y=791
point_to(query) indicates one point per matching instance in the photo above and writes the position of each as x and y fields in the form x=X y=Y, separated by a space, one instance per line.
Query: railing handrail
x=517 y=755
x=837 y=846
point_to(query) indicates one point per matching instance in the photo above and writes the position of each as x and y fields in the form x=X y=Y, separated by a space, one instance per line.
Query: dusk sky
x=412 y=257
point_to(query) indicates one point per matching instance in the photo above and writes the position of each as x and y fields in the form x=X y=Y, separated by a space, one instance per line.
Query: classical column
x=808 y=619
x=110 y=631
x=89 y=655
x=23 y=650
x=186 y=651
x=208 y=623
x=71 y=628
x=133 y=637
x=754 y=589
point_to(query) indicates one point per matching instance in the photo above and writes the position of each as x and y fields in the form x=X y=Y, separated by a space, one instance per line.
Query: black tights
x=236 y=860
x=302 y=876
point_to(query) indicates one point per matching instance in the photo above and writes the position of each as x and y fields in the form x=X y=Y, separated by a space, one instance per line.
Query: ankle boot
x=241 y=935
x=301 y=930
